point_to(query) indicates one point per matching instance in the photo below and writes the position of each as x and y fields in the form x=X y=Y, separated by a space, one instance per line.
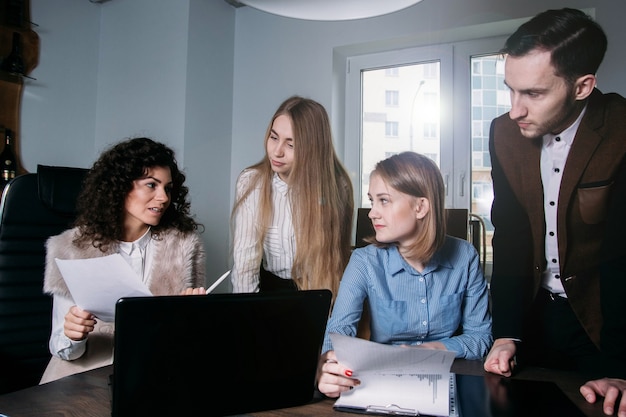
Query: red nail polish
x=348 y=372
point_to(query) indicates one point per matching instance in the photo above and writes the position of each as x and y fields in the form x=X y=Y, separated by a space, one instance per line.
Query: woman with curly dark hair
x=134 y=203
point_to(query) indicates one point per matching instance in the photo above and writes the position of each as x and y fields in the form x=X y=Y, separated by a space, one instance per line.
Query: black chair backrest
x=33 y=208
x=364 y=227
x=457 y=225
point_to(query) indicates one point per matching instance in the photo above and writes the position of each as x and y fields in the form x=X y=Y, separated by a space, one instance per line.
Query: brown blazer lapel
x=583 y=147
x=520 y=158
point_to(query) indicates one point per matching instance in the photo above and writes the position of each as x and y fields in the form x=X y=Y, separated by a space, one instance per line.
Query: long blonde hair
x=320 y=195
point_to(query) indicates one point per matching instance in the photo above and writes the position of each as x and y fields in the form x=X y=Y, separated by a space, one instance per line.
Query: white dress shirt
x=139 y=254
x=553 y=157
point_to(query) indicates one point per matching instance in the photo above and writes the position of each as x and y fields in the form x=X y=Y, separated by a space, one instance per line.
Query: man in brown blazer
x=559 y=175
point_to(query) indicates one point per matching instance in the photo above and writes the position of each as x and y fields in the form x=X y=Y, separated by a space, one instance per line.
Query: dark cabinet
x=15 y=19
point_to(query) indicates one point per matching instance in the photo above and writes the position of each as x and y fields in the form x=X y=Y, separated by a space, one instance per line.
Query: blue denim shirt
x=408 y=307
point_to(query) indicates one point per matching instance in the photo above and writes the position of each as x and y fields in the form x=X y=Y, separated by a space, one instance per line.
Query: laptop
x=216 y=354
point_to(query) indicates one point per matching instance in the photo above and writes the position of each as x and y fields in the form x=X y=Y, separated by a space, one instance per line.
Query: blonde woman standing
x=292 y=217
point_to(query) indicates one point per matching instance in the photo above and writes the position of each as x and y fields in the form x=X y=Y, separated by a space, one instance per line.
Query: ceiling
x=234 y=3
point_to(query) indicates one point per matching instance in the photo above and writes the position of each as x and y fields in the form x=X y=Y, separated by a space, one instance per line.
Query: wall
x=59 y=107
x=208 y=128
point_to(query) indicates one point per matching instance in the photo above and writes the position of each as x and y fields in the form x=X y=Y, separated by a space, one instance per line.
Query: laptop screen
x=216 y=354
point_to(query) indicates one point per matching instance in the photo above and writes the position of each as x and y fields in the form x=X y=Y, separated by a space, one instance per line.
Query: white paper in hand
x=97 y=283
x=394 y=379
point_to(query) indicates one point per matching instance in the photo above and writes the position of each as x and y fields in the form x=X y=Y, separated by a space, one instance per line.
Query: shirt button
x=558 y=139
x=421 y=279
x=552 y=203
x=551 y=233
x=424 y=323
x=553 y=261
x=557 y=170
x=557 y=276
x=423 y=301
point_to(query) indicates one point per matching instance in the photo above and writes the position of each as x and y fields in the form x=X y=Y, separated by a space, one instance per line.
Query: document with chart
x=395 y=380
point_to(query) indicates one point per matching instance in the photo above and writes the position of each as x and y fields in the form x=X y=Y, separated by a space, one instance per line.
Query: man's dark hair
x=577 y=43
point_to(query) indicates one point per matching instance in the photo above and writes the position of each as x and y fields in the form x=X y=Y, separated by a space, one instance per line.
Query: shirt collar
x=397 y=263
x=140 y=243
x=281 y=186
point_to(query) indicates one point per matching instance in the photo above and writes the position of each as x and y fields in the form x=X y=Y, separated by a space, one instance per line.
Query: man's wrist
x=505 y=340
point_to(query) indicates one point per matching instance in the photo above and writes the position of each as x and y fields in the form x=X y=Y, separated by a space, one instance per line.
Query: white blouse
x=279 y=245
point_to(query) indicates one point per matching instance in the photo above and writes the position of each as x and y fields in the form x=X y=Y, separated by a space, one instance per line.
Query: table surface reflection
x=87 y=395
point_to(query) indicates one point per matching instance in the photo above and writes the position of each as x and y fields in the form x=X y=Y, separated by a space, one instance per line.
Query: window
x=391 y=72
x=413 y=120
x=391 y=129
x=431 y=71
x=482 y=197
x=430 y=130
x=391 y=98
x=490 y=98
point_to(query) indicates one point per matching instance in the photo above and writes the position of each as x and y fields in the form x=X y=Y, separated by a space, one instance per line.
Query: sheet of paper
x=395 y=379
x=97 y=283
x=363 y=355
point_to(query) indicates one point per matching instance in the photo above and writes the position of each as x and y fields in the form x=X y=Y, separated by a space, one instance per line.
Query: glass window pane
x=400 y=113
x=490 y=98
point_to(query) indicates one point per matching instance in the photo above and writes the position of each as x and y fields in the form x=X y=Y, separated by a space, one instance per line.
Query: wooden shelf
x=15 y=17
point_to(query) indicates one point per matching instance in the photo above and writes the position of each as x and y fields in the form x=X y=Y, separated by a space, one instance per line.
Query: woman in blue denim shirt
x=424 y=289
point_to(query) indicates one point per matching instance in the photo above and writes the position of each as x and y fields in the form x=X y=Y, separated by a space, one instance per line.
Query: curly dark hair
x=101 y=203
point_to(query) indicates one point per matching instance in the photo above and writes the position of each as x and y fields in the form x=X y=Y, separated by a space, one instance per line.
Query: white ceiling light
x=329 y=9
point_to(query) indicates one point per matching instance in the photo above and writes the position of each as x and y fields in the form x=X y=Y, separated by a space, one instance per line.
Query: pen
x=219 y=280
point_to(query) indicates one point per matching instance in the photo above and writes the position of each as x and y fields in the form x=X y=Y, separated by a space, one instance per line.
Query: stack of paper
x=397 y=380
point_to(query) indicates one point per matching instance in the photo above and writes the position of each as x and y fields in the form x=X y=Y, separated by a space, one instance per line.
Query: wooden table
x=87 y=395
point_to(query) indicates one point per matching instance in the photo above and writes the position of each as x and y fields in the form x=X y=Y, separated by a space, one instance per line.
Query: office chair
x=457 y=225
x=478 y=237
x=34 y=206
x=460 y=223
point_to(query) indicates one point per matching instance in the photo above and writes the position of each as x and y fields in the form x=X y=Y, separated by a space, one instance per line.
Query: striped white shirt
x=279 y=245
